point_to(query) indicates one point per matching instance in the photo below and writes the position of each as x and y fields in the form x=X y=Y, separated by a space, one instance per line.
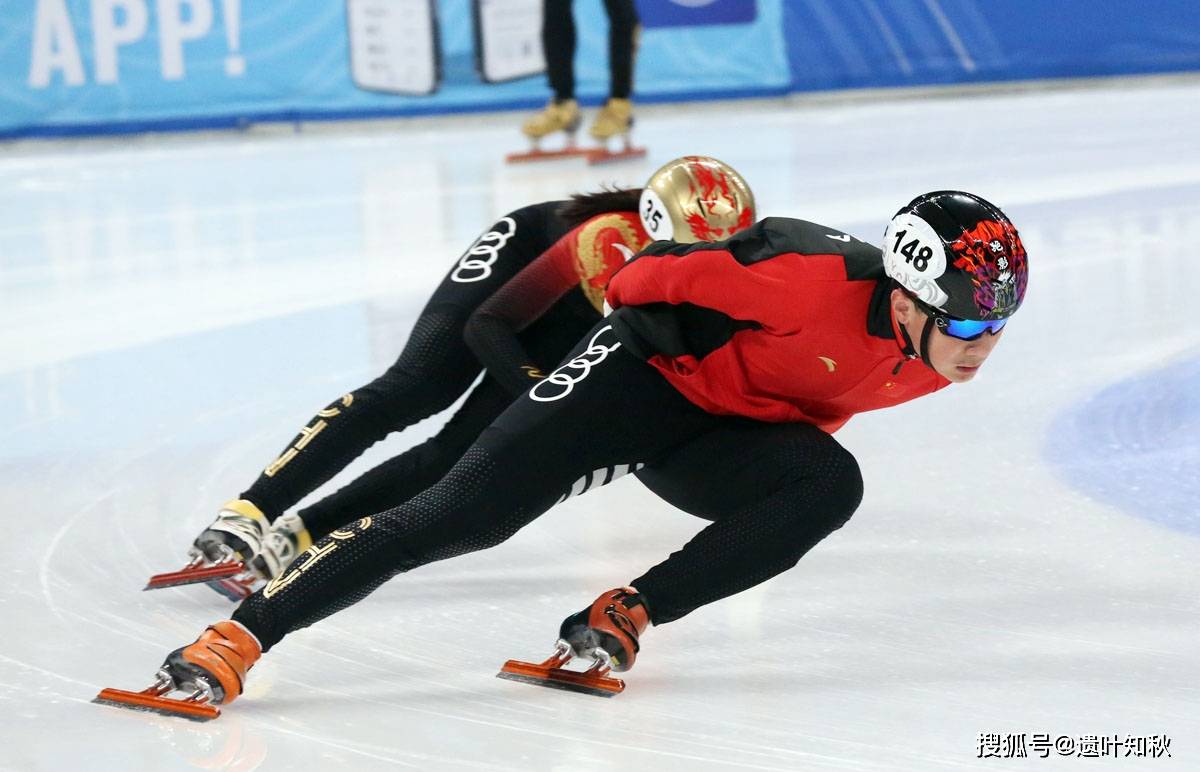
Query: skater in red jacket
x=718 y=379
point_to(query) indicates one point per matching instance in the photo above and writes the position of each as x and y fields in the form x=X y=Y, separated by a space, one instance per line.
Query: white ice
x=173 y=309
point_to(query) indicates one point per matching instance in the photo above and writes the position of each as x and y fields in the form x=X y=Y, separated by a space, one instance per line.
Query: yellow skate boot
x=237 y=533
x=614 y=119
x=558 y=116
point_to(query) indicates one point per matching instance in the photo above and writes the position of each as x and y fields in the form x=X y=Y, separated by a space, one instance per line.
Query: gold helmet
x=696 y=198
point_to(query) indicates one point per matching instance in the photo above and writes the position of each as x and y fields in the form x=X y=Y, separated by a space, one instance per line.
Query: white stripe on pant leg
x=583 y=484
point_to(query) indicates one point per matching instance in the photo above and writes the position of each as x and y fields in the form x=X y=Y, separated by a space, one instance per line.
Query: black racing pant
x=558 y=43
x=435 y=368
x=398 y=479
x=772 y=491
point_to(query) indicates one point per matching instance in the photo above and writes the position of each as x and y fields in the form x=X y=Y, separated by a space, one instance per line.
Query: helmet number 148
x=919 y=258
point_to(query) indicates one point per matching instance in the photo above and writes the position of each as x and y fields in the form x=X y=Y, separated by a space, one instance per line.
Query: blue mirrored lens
x=968 y=330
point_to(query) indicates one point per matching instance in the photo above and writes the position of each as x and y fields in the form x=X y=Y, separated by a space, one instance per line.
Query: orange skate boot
x=212 y=671
x=605 y=632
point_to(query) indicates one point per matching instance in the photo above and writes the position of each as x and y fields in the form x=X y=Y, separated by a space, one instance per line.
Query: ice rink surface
x=1024 y=561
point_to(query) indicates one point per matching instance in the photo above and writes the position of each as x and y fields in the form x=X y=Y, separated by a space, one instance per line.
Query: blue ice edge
x=1136 y=445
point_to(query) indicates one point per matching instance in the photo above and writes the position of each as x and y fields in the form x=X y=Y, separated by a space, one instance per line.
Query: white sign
x=393 y=45
x=509 y=39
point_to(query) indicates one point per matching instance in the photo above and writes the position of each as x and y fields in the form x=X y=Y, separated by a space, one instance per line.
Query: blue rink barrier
x=96 y=66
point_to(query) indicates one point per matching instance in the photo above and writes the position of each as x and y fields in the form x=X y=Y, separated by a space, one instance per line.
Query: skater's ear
x=903 y=307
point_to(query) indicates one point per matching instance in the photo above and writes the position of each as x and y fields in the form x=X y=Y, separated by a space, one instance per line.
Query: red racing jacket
x=786 y=321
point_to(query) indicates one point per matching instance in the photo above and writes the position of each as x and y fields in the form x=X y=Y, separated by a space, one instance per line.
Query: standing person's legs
x=602 y=413
x=623 y=32
x=558 y=45
x=773 y=491
x=433 y=370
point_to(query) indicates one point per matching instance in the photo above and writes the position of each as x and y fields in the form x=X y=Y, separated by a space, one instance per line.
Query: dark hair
x=585 y=206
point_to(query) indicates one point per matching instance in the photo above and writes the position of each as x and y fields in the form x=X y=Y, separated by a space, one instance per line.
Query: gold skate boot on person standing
x=558 y=116
x=615 y=120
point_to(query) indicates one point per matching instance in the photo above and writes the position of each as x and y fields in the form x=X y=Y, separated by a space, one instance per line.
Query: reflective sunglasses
x=963 y=329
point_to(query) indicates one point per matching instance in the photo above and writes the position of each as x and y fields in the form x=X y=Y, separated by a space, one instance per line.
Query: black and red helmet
x=959 y=254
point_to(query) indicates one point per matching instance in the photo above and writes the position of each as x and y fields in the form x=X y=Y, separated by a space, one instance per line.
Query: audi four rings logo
x=562 y=381
x=476 y=264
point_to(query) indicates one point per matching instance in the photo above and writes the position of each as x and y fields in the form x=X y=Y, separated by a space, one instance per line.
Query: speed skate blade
x=592 y=681
x=237 y=588
x=603 y=156
x=155 y=703
x=547 y=155
x=195 y=574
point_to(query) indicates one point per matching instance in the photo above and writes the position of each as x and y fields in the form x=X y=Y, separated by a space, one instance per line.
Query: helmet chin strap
x=910 y=350
x=925 y=341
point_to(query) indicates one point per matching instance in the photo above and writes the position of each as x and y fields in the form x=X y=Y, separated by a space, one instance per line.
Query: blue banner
x=79 y=66
x=693 y=13
x=874 y=43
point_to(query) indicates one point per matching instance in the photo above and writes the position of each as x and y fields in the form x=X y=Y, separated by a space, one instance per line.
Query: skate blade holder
x=196 y=572
x=627 y=152
x=551 y=673
x=537 y=154
x=197 y=706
